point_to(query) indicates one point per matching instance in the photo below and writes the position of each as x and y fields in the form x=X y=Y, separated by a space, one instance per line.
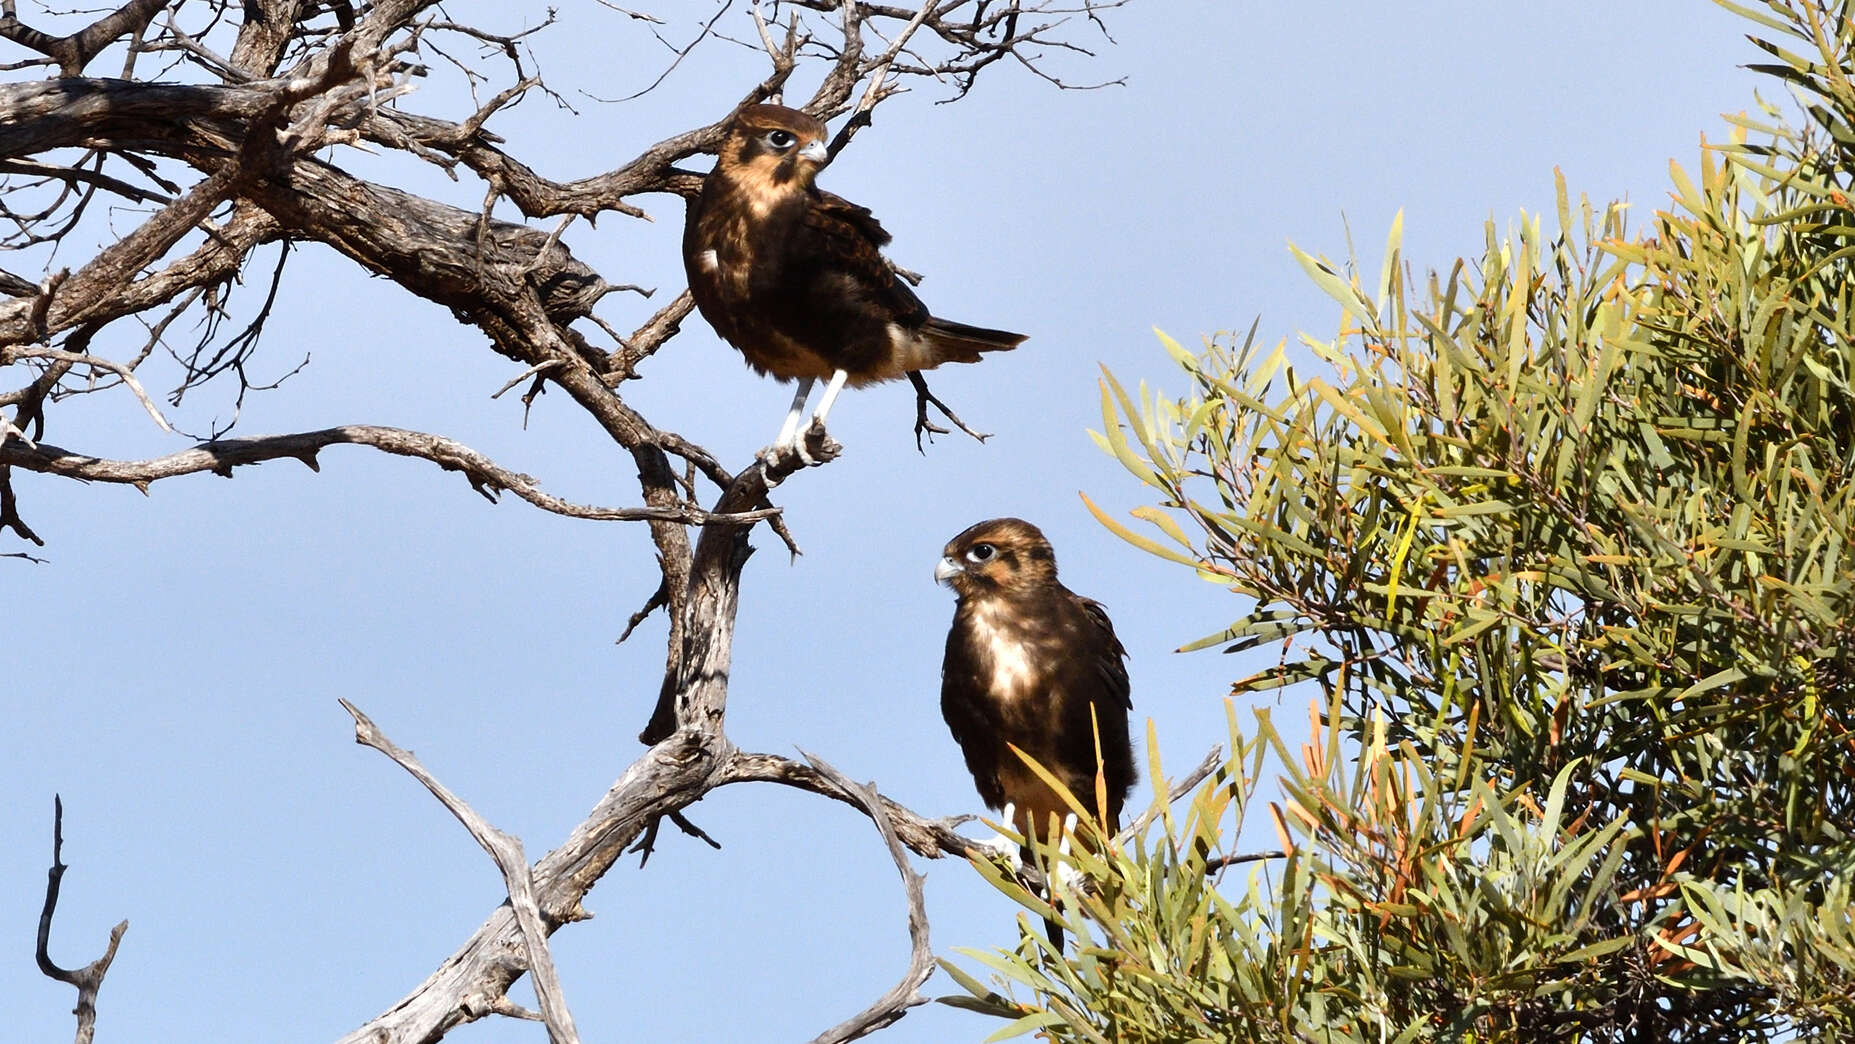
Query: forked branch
x=89 y=978
x=506 y=850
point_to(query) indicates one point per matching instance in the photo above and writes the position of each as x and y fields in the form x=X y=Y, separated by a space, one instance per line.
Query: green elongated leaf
x=1755 y=15
x=1336 y=287
x=1164 y=521
x=1388 y=270
x=1144 y=543
x=1253 y=631
x=977 y=1004
x=1011 y=968
x=1175 y=349
x=1286 y=674
x=1716 y=680
x=1486 y=507
x=1038 y=1020
x=1689 y=196
x=1117 y=440
x=1470 y=472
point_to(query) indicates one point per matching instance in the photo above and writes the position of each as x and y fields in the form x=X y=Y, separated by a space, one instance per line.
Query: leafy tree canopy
x=1562 y=538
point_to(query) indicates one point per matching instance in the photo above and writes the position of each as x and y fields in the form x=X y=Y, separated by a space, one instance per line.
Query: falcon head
x=1000 y=556
x=774 y=145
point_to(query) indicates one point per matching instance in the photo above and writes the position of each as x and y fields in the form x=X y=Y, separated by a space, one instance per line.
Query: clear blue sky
x=174 y=670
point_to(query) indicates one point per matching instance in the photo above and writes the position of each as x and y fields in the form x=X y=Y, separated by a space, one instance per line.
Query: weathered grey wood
x=240 y=158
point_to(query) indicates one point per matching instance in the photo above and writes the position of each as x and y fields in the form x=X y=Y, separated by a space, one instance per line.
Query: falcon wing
x=1110 y=655
x=846 y=240
x=1093 y=697
x=838 y=209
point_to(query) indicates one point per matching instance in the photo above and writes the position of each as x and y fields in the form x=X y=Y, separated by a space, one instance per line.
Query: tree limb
x=221 y=456
x=506 y=850
x=75 y=51
x=89 y=978
x=906 y=994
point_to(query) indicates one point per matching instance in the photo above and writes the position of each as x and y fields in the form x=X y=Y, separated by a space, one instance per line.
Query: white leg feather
x=788 y=432
x=830 y=396
x=1068 y=835
x=1002 y=846
x=1066 y=871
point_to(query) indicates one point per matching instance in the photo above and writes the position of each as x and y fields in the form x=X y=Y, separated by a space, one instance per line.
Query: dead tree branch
x=929 y=838
x=906 y=994
x=689 y=762
x=89 y=978
x=75 y=51
x=506 y=850
x=221 y=456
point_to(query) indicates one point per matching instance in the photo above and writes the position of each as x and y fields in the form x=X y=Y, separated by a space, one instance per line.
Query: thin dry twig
x=930 y=838
x=540 y=367
x=123 y=373
x=1219 y=863
x=1183 y=786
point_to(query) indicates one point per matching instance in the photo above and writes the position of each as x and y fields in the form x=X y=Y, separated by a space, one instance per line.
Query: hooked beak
x=815 y=152
x=946 y=571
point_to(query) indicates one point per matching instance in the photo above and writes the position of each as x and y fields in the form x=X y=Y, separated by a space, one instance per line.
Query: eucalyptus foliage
x=1563 y=536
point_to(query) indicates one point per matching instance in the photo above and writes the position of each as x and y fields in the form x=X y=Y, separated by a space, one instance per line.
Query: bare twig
x=691 y=830
x=656 y=601
x=89 y=978
x=9 y=504
x=540 y=367
x=906 y=994
x=123 y=373
x=1183 y=786
x=75 y=51
x=506 y=850
x=1219 y=863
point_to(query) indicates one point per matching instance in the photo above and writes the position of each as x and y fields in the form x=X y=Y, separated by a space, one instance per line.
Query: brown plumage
x=1032 y=664
x=794 y=277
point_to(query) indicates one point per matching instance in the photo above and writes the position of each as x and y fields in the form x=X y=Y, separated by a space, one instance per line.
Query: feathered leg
x=830 y=396
x=1000 y=845
x=789 y=431
x=1022 y=856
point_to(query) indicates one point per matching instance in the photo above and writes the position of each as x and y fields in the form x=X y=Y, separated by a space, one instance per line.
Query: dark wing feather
x=848 y=240
x=1110 y=655
x=839 y=209
x=1094 y=698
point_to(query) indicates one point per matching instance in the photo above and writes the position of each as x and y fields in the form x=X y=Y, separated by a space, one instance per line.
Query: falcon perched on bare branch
x=794 y=276
x=1033 y=665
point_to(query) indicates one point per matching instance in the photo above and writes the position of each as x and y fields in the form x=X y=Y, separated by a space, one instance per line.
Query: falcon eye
x=981 y=553
x=780 y=139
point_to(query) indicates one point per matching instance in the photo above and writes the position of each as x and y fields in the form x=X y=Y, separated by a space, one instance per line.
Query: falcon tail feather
x=958 y=342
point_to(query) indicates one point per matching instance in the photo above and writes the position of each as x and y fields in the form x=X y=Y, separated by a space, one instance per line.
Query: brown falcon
x=1033 y=665
x=794 y=276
